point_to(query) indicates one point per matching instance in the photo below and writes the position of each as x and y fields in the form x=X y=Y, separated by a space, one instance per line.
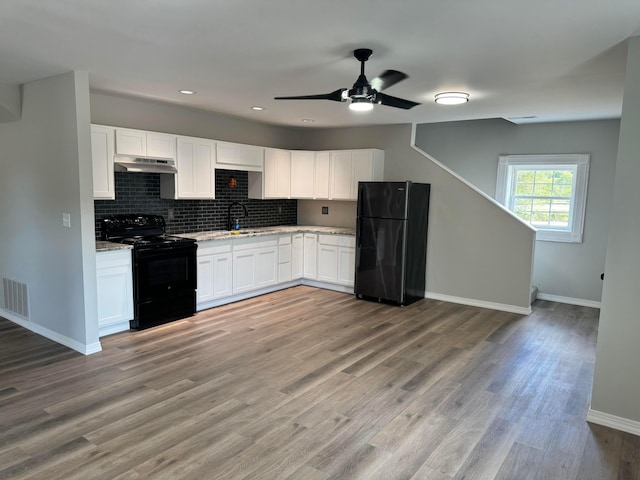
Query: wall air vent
x=16 y=297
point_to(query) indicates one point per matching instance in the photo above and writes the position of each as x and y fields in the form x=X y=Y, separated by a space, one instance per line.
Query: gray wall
x=469 y=236
x=341 y=213
x=616 y=386
x=471 y=149
x=46 y=170
x=144 y=114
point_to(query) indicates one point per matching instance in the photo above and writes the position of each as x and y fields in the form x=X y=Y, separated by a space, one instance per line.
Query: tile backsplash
x=140 y=193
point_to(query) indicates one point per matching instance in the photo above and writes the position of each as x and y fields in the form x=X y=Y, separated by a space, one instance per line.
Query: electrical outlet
x=171 y=214
x=325 y=210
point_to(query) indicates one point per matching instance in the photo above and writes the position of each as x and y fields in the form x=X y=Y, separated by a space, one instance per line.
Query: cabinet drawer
x=285 y=240
x=337 y=240
x=254 y=242
x=213 y=247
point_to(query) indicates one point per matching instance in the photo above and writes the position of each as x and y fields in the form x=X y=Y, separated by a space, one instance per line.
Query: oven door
x=163 y=272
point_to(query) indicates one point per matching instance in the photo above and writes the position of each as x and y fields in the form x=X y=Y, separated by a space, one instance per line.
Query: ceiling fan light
x=361 y=105
x=452 y=98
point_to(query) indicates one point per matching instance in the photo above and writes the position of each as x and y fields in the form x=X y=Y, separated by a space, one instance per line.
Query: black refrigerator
x=391 y=241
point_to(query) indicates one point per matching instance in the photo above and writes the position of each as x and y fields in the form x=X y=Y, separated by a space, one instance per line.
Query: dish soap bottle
x=236 y=225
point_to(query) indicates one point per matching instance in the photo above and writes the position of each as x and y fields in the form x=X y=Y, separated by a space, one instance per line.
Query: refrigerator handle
x=358 y=237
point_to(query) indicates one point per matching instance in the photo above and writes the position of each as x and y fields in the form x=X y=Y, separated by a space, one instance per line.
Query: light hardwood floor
x=312 y=384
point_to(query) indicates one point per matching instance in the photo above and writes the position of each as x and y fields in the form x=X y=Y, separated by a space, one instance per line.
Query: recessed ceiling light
x=452 y=98
x=187 y=92
x=257 y=108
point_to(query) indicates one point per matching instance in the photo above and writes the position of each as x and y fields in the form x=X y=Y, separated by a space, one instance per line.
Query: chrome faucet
x=229 y=222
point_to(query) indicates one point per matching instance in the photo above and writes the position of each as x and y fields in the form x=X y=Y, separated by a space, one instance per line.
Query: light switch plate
x=66 y=220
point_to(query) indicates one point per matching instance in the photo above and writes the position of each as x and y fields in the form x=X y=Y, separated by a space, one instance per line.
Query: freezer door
x=382 y=199
x=380 y=259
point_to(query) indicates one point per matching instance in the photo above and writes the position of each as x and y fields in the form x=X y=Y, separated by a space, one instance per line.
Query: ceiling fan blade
x=386 y=79
x=336 y=96
x=390 y=101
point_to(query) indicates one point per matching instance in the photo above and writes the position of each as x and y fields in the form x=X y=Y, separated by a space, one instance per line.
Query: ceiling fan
x=364 y=94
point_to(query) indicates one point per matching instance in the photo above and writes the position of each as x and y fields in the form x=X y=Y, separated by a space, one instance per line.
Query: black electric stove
x=164 y=268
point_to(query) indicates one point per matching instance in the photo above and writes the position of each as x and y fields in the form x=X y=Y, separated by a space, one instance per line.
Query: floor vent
x=16 y=297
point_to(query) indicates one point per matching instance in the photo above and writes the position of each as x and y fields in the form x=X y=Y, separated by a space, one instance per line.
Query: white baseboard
x=113 y=328
x=85 y=349
x=612 y=421
x=479 y=303
x=327 y=286
x=570 y=300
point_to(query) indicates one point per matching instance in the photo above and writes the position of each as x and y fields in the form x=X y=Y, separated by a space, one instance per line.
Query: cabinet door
x=297 y=255
x=131 y=142
x=362 y=169
x=302 y=174
x=195 y=163
x=252 y=156
x=310 y=264
x=161 y=145
x=266 y=267
x=322 y=175
x=277 y=173
x=102 y=146
x=222 y=276
x=328 y=263
x=115 y=287
x=230 y=153
x=341 y=175
x=346 y=265
x=244 y=268
x=204 y=293
x=236 y=154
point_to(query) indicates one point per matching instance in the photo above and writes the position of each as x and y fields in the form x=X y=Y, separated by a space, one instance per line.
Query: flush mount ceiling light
x=452 y=98
x=257 y=108
x=361 y=105
x=187 y=92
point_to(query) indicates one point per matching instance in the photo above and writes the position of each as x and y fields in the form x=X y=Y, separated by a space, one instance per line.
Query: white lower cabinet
x=255 y=264
x=297 y=255
x=214 y=271
x=284 y=258
x=336 y=259
x=310 y=264
x=236 y=268
x=347 y=263
x=327 y=263
x=115 y=290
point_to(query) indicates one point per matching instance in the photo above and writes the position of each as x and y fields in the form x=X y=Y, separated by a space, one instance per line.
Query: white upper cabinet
x=302 y=174
x=102 y=143
x=348 y=167
x=277 y=173
x=341 y=178
x=145 y=144
x=195 y=162
x=161 y=145
x=322 y=175
x=236 y=156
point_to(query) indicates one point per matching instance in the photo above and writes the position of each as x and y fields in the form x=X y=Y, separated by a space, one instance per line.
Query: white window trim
x=580 y=195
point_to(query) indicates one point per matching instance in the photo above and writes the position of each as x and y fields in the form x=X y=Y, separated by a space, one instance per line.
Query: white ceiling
x=552 y=59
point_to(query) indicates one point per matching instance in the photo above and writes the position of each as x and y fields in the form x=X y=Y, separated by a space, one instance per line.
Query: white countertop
x=255 y=232
x=102 y=246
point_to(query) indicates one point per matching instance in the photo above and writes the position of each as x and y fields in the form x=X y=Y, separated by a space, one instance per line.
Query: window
x=547 y=191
